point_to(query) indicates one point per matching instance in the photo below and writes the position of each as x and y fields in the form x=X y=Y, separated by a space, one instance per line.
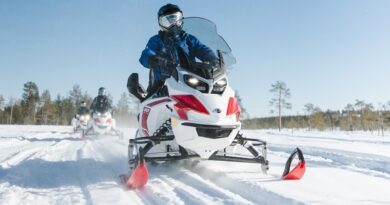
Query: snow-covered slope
x=50 y=165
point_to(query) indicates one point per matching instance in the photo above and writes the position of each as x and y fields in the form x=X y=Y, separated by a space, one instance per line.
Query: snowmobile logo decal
x=217 y=110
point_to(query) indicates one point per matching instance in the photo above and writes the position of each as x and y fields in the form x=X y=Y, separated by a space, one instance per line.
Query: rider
x=161 y=54
x=83 y=108
x=101 y=103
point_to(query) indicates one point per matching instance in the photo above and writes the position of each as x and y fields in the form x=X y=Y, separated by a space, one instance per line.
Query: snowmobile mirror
x=134 y=87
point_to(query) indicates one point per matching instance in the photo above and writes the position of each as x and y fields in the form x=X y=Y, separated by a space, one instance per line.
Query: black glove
x=159 y=62
x=164 y=65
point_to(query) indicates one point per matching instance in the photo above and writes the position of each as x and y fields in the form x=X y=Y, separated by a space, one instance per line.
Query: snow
x=50 y=165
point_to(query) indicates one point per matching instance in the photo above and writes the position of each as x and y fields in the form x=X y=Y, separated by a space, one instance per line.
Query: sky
x=329 y=53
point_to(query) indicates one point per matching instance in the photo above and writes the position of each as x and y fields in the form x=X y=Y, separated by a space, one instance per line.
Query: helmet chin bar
x=173 y=29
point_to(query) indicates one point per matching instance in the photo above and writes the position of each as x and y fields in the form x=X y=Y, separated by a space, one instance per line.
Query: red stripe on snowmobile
x=158 y=102
x=145 y=115
x=234 y=108
x=139 y=176
x=299 y=169
x=188 y=102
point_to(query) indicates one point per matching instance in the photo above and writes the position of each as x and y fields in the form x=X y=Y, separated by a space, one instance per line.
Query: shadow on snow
x=38 y=173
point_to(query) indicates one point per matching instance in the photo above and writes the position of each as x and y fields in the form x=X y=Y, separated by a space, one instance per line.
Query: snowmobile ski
x=299 y=169
x=139 y=176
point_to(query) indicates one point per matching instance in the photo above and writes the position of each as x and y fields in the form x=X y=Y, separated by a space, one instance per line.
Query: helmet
x=102 y=91
x=83 y=104
x=170 y=16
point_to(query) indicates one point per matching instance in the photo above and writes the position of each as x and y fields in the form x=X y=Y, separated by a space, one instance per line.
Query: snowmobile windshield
x=206 y=32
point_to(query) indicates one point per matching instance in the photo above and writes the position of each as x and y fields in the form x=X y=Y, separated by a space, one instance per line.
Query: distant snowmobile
x=80 y=122
x=102 y=123
x=195 y=115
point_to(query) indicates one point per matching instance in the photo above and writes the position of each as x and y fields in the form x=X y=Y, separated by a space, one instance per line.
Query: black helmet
x=169 y=16
x=102 y=91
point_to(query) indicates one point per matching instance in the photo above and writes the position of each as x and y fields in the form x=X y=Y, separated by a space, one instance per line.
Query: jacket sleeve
x=150 y=50
x=201 y=51
x=93 y=105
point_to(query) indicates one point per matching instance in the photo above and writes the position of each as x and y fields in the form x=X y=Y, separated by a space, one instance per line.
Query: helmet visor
x=102 y=92
x=169 y=20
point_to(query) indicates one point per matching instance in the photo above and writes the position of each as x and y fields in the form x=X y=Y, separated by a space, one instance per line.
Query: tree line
x=359 y=115
x=40 y=108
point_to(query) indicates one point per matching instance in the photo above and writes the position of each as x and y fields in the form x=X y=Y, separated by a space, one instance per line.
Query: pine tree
x=1 y=102
x=30 y=99
x=122 y=107
x=48 y=109
x=309 y=109
x=2 y=111
x=76 y=95
x=318 y=118
x=281 y=93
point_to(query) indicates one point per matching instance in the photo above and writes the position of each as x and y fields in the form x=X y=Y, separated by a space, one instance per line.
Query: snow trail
x=50 y=165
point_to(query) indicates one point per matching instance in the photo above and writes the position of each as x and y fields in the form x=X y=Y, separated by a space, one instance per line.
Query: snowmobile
x=102 y=123
x=194 y=115
x=80 y=122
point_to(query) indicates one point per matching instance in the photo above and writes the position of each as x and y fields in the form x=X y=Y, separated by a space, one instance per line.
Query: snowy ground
x=50 y=165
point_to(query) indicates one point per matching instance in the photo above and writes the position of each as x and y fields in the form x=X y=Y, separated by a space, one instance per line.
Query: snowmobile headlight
x=195 y=83
x=221 y=82
x=219 y=86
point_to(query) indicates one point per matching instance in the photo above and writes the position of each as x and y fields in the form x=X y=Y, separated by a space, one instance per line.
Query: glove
x=157 y=62
x=164 y=65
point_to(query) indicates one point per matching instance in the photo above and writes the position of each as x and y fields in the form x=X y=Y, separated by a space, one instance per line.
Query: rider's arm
x=149 y=51
x=200 y=50
x=93 y=104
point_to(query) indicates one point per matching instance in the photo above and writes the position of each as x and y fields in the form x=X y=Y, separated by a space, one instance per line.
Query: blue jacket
x=166 y=47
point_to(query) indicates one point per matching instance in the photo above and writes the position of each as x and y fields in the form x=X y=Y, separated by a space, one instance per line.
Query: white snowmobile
x=194 y=115
x=80 y=122
x=102 y=123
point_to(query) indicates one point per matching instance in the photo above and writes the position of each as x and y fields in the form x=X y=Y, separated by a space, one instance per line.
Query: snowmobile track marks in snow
x=81 y=176
x=250 y=191
x=169 y=173
x=24 y=154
